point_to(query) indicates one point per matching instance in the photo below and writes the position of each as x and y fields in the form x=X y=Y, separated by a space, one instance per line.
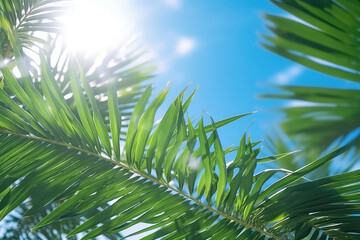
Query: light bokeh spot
x=185 y=45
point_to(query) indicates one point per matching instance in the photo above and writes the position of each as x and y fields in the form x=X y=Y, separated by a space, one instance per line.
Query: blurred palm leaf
x=278 y=142
x=324 y=36
x=330 y=118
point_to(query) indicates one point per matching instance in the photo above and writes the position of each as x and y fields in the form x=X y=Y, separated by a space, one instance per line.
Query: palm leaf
x=329 y=119
x=321 y=35
x=320 y=204
x=19 y=226
x=28 y=18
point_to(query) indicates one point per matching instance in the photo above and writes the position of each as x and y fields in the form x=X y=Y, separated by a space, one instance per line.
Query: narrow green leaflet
x=220 y=158
x=115 y=121
x=135 y=117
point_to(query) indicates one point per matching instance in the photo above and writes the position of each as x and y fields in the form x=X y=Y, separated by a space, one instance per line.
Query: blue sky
x=216 y=45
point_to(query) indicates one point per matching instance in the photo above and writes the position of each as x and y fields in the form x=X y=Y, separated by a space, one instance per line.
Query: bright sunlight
x=89 y=27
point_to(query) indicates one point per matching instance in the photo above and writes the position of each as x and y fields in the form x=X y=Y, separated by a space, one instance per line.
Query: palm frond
x=321 y=204
x=330 y=118
x=18 y=226
x=28 y=18
x=322 y=36
x=173 y=177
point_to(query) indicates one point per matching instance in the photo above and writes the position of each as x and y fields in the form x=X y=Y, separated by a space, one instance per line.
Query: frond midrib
x=119 y=164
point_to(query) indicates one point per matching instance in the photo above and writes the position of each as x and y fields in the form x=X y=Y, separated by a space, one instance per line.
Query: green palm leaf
x=323 y=36
x=331 y=118
x=28 y=18
x=320 y=204
x=19 y=226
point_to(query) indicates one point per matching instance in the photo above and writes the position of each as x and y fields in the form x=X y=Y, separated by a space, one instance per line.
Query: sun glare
x=89 y=27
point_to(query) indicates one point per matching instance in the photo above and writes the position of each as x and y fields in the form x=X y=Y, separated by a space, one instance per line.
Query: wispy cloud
x=175 y=4
x=288 y=75
x=185 y=45
x=298 y=103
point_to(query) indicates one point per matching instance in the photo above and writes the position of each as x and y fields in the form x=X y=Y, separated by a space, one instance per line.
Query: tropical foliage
x=82 y=157
x=324 y=36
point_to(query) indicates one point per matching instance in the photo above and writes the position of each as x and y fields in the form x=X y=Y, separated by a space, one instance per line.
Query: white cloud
x=175 y=4
x=298 y=103
x=287 y=75
x=185 y=45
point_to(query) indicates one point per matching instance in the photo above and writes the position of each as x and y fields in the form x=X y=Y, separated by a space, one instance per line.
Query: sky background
x=216 y=45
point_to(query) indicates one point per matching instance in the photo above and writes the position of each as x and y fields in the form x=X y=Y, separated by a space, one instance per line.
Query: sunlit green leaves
x=27 y=18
